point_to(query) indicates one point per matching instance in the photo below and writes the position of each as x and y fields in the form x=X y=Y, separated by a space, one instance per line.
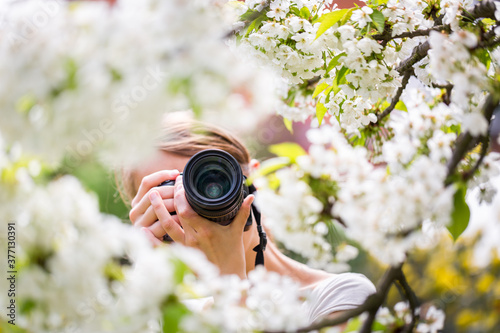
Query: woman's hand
x=223 y=245
x=142 y=213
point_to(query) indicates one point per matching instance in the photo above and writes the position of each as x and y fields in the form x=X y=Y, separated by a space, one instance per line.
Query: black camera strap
x=261 y=247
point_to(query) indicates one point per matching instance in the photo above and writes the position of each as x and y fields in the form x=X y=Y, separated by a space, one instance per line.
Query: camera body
x=215 y=186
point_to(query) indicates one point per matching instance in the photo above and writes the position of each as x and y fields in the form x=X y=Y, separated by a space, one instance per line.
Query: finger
x=149 y=235
x=153 y=180
x=166 y=192
x=167 y=223
x=157 y=227
x=242 y=216
x=186 y=214
x=149 y=217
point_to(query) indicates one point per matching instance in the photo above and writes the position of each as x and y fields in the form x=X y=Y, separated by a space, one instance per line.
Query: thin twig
x=467 y=142
x=484 y=150
x=419 y=53
x=396 y=97
x=373 y=302
x=447 y=96
x=413 y=300
x=483 y=9
x=387 y=35
x=368 y=323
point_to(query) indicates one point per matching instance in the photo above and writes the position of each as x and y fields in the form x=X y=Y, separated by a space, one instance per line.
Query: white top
x=340 y=292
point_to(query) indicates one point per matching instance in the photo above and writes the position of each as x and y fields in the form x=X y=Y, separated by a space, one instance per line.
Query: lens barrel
x=213 y=182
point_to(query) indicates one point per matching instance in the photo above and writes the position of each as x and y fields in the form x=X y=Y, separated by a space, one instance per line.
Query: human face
x=161 y=160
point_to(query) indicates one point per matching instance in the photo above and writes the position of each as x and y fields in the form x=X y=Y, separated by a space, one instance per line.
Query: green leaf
x=26 y=306
x=254 y=19
x=353 y=325
x=484 y=57
x=320 y=112
x=25 y=104
x=378 y=20
x=461 y=213
x=305 y=13
x=488 y=21
x=180 y=270
x=172 y=316
x=334 y=62
x=115 y=74
x=113 y=271
x=288 y=124
x=319 y=88
x=378 y=327
x=401 y=106
x=255 y=25
x=268 y=167
x=248 y=15
x=347 y=15
x=329 y=19
x=290 y=150
x=328 y=92
x=6 y=327
x=295 y=11
x=341 y=75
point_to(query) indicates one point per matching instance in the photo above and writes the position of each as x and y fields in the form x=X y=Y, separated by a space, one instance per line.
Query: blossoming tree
x=402 y=92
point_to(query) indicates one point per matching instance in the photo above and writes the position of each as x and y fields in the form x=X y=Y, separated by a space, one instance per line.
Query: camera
x=214 y=185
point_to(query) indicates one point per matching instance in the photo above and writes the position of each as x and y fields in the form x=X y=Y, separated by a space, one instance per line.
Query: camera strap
x=261 y=247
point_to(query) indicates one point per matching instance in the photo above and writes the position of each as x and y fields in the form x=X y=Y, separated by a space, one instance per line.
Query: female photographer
x=227 y=246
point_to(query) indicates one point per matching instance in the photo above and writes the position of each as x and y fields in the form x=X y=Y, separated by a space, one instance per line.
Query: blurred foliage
x=100 y=180
x=448 y=277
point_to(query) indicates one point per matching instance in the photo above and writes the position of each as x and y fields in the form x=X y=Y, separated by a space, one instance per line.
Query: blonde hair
x=186 y=137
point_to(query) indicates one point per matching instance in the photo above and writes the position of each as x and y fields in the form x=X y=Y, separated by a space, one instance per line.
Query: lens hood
x=222 y=203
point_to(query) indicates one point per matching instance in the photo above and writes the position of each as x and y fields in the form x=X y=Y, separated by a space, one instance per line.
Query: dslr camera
x=215 y=186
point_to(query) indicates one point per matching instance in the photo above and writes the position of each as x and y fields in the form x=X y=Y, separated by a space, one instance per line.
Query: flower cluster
x=304 y=42
x=422 y=57
x=431 y=320
x=266 y=301
x=80 y=269
x=361 y=55
x=383 y=211
x=293 y=214
x=451 y=62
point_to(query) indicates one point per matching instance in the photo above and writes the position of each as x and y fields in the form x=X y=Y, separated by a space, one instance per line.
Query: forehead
x=160 y=160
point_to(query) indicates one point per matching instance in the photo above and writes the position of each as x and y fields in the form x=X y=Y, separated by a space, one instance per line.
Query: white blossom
x=362 y=16
x=475 y=124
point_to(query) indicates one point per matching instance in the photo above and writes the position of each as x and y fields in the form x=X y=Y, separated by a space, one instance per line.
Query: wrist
x=235 y=265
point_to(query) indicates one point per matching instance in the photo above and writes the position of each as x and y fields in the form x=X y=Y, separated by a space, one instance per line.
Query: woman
x=228 y=247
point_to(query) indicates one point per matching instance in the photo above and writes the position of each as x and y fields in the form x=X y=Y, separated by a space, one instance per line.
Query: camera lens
x=212 y=181
x=214 y=187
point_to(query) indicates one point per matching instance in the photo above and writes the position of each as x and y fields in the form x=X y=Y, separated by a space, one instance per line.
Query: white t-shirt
x=340 y=292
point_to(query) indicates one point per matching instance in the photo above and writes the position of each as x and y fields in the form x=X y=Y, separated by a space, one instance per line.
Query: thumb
x=242 y=216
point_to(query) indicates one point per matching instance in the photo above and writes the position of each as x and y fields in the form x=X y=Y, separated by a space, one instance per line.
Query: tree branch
x=367 y=325
x=413 y=300
x=419 y=53
x=372 y=303
x=387 y=35
x=484 y=149
x=448 y=87
x=466 y=142
x=396 y=97
x=483 y=9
